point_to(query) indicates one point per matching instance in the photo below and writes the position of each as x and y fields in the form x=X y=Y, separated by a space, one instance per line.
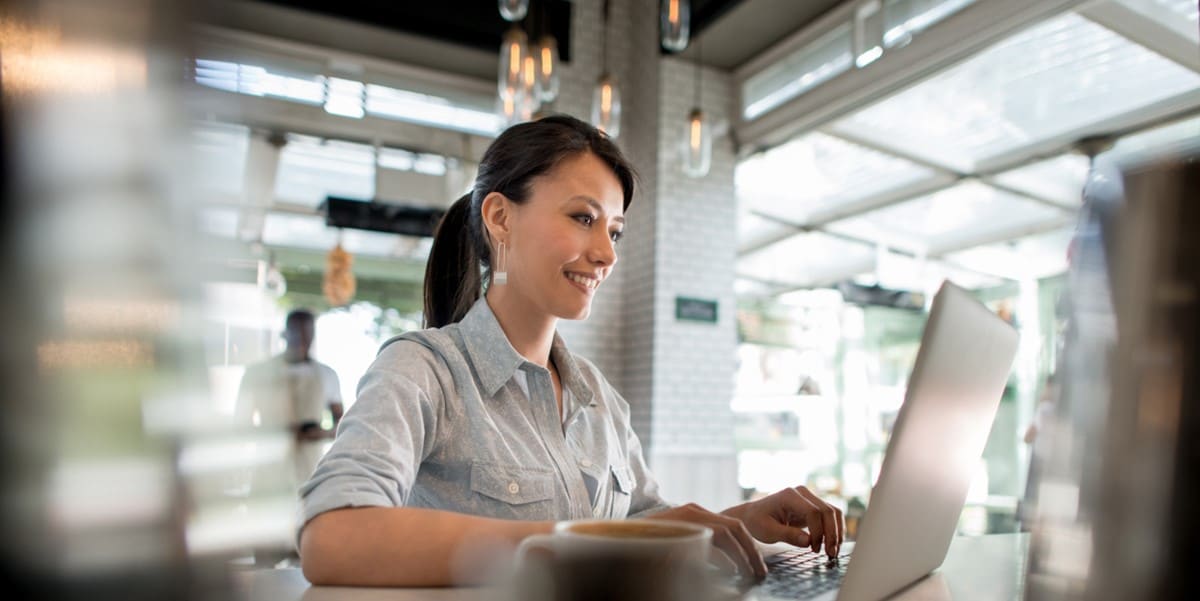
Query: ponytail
x=452 y=279
x=453 y=276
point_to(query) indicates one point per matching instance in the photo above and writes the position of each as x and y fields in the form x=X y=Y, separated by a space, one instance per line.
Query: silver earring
x=500 y=271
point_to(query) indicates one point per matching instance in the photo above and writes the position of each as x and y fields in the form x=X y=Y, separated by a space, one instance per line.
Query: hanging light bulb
x=530 y=88
x=547 y=72
x=697 y=134
x=512 y=59
x=513 y=10
x=508 y=106
x=606 y=106
x=676 y=20
x=697 y=144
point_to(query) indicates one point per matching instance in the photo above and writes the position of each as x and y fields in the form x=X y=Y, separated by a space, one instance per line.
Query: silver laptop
x=961 y=368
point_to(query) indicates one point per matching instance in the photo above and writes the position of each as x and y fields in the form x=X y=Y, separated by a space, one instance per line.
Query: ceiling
x=460 y=36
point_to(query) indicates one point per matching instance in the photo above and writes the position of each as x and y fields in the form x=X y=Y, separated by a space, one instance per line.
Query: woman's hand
x=729 y=535
x=784 y=515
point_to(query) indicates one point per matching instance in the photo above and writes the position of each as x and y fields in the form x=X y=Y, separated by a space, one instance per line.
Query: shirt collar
x=496 y=360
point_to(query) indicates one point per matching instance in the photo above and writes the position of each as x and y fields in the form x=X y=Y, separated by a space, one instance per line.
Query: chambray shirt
x=455 y=419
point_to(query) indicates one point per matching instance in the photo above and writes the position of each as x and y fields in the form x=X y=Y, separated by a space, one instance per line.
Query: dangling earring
x=500 y=270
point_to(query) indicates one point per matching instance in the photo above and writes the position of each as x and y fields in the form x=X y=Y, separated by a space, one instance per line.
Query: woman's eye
x=585 y=219
x=616 y=236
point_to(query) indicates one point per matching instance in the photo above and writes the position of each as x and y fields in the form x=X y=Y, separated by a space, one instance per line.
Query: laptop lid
x=959 y=375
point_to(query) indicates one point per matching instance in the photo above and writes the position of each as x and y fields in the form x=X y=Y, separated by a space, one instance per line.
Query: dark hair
x=453 y=281
x=299 y=315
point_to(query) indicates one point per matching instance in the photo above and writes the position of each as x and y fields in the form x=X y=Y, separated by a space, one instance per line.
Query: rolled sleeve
x=380 y=444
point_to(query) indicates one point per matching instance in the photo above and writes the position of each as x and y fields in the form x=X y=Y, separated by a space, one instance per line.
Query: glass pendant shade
x=513 y=51
x=697 y=144
x=606 y=106
x=547 y=68
x=675 y=24
x=509 y=105
x=531 y=88
x=514 y=10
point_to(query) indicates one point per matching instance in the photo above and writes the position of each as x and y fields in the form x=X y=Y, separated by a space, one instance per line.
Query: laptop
x=961 y=368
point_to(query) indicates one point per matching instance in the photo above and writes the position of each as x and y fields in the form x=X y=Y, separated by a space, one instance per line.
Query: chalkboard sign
x=694 y=309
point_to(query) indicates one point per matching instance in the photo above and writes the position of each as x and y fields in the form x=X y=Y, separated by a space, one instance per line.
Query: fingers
x=729 y=535
x=825 y=525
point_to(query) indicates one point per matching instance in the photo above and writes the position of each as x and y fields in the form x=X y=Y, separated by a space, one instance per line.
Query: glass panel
x=754 y=230
x=904 y=18
x=298 y=231
x=899 y=272
x=1027 y=258
x=218 y=221
x=363 y=242
x=1180 y=16
x=948 y=218
x=257 y=81
x=309 y=171
x=219 y=154
x=433 y=110
x=1057 y=77
x=1174 y=139
x=1059 y=179
x=797 y=72
x=807 y=259
x=815 y=174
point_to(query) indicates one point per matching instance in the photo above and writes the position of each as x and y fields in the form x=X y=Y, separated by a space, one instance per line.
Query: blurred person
x=291 y=392
x=485 y=428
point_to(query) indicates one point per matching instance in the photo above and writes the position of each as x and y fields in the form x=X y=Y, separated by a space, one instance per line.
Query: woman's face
x=562 y=239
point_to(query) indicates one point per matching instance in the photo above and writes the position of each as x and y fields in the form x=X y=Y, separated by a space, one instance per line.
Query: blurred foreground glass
x=103 y=370
x=1114 y=515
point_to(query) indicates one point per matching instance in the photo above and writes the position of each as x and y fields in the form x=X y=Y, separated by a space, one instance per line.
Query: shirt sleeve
x=646 y=499
x=381 y=441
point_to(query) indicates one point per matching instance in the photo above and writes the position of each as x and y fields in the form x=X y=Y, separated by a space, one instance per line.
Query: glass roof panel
x=310 y=170
x=798 y=72
x=219 y=153
x=1031 y=257
x=298 y=231
x=900 y=272
x=1059 y=76
x=1173 y=139
x=1059 y=179
x=816 y=173
x=1180 y=16
x=949 y=218
x=754 y=230
x=806 y=259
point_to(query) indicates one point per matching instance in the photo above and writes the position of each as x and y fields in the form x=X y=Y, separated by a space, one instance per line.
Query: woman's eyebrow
x=596 y=205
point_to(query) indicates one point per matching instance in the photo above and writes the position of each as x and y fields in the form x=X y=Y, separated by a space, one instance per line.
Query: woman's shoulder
x=419 y=350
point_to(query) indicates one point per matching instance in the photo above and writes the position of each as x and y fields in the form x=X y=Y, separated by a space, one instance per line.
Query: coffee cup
x=615 y=559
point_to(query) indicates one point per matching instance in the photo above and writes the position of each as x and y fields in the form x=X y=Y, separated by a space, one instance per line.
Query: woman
x=484 y=427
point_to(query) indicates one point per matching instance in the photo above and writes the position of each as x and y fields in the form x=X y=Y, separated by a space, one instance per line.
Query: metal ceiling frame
x=955 y=40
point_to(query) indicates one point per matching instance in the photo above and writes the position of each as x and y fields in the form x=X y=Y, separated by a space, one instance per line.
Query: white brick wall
x=680 y=241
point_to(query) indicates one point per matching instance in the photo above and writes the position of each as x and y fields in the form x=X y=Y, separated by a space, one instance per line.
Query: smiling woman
x=484 y=428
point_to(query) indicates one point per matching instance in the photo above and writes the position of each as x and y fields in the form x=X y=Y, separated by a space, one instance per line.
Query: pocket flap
x=623 y=475
x=511 y=484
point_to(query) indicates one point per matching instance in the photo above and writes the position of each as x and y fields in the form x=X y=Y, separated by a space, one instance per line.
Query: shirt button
x=513 y=488
x=586 y=463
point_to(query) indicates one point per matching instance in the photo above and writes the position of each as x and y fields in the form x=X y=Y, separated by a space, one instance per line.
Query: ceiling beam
x=1174 y=43
x=277 y=115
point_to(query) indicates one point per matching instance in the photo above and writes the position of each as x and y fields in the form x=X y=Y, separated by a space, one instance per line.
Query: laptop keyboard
x=801 y=574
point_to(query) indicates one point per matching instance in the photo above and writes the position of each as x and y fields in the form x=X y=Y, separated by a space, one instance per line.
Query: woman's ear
x=496 y=211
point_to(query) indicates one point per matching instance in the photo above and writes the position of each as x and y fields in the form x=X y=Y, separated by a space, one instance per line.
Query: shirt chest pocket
x=513 y=492
x=611 y=488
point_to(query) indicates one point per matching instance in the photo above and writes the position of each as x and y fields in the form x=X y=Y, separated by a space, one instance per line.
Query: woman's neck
x=529 y=331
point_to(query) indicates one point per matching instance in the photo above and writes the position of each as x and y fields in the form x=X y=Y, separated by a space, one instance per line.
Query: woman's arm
x=407 y=546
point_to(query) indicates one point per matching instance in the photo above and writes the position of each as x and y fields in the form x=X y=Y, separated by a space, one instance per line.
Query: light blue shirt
x=445 y=420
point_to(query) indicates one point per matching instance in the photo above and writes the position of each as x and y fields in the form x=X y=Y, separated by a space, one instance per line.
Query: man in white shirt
x=291 y=392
